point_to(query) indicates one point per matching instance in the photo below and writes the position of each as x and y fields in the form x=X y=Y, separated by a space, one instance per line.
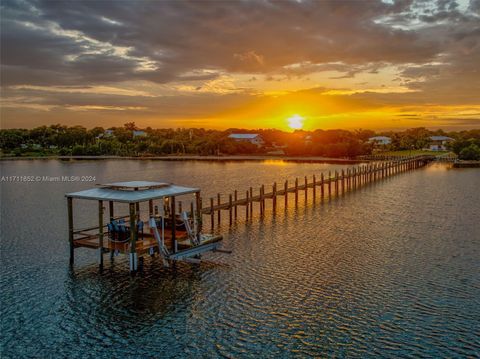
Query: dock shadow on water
x=122 y=301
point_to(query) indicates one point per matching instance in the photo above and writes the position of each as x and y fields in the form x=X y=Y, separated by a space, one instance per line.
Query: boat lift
x=172 y=233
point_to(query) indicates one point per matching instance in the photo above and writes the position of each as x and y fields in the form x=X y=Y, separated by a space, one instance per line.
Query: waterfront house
x=252 y=138
x=380 y=140
x=438 y=143
x=139 y=133
x=108 y=133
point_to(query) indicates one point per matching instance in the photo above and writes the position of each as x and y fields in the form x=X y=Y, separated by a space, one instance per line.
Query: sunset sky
x=251 y=64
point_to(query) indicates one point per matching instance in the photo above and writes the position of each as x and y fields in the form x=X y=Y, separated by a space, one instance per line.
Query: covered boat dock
x=169 y=231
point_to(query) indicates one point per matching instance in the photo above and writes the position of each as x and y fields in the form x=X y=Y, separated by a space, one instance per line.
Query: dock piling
x=274 y=196
x=70 y=228
x=133 y=239
x=219 y=212
x=251 y=201
x=329 y=185
x=230 y=200
x=306 y=188
x=322 y=189
x=212 y=215
x=314 y=188
x=100 y=231
x=235 y=198
x=296 y=192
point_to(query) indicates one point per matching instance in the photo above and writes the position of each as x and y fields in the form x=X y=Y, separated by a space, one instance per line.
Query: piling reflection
x=121 y=301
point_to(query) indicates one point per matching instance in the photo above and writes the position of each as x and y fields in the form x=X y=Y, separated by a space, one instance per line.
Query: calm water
x=391 y=270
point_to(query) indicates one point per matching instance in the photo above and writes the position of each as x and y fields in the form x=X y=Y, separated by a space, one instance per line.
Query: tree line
x=123 y=141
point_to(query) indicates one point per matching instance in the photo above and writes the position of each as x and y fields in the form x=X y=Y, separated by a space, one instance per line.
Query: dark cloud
x=177 y=37
x=434 y=44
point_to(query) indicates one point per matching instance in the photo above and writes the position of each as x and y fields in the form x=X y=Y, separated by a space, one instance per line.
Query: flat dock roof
x=132 y=192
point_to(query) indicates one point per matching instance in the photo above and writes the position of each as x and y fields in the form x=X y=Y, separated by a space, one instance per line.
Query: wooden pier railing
x=325 y=186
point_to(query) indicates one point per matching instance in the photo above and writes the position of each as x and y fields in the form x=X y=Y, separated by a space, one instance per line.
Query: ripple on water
x=388 y=271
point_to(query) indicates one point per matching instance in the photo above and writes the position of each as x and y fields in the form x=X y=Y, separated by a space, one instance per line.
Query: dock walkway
x=334 y=184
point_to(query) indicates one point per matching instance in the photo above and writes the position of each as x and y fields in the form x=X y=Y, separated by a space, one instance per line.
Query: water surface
x=390 y=270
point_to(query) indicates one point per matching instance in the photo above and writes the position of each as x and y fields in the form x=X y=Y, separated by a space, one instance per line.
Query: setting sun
x=295 y=122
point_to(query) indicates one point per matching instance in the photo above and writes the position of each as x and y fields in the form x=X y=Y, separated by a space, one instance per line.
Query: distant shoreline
x=304 y=159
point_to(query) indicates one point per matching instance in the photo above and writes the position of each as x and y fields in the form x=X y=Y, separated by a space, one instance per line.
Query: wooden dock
x=239 y=206
x=322 y=186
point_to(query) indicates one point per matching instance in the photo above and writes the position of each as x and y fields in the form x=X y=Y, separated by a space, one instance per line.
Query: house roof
x=244 y=135
x=440 y=138
x=132 y=192
x=379 y=138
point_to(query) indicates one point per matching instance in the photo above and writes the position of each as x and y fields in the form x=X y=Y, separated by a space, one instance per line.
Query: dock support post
x=110 y=210
x=314 y=188
x=343 y=181
x=70 y=228
x=247 y=205
x=322 y=189
x=198 y=205
x=286 y=194
x=306 y=189
x=296 y=192
x=150 y=208
x=262 y=200
x=112 y=216
x=336 y=183
x=251 y=202
x=348 y=179
x=329 y=185
x=235 y=198
x=133 y=239
x=230 y=200
x=212 y=215
x=100 y=231
x=219 y=211
x=274 y=196
x=174 y=226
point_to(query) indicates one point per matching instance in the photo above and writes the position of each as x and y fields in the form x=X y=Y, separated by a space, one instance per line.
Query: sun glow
x=295 y=122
